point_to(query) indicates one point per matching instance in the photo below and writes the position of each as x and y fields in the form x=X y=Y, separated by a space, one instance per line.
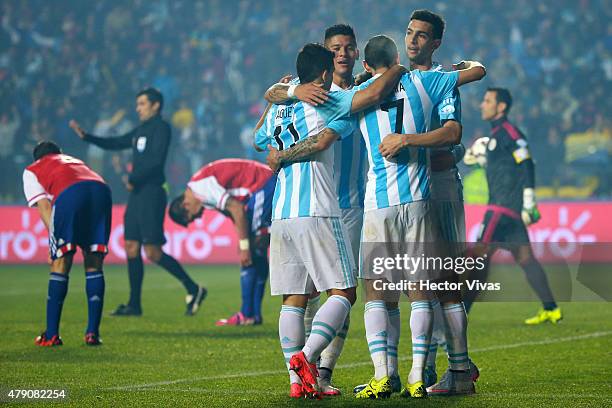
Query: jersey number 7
x=399 y=113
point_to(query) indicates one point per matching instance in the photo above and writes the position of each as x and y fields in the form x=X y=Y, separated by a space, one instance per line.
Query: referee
x=144 y=216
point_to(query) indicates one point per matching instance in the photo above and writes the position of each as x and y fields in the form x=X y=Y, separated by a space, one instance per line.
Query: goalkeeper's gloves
x=530 y=213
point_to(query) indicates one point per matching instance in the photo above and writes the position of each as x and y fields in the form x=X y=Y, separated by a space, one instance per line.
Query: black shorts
x=503 y=225
x=144 y=216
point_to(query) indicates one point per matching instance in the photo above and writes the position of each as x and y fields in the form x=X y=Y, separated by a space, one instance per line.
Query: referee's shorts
x=144 y=216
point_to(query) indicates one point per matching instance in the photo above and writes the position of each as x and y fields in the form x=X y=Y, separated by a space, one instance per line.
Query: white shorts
x=407 y=229
x=309 y=253
x=451 y=218
x=352 y=218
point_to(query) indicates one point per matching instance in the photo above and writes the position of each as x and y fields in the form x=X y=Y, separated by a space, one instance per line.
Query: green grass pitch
x=166 y=359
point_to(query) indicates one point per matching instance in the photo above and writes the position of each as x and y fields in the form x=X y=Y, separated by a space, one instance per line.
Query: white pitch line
x=495 y=395
x=351 y=365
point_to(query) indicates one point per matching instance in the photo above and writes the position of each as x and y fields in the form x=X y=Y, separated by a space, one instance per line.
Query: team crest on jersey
x=448 y=109
x=141 y=143
x=492 y=144
x=448 y=105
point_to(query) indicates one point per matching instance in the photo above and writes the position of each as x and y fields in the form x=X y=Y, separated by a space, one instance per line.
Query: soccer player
x=309 y=247
x=463 y=77
x=146 y=208
x=75 y=205
x=350 y=167
x=423 y=36
x=512 y=203
x=242 y=190
x=399 y=189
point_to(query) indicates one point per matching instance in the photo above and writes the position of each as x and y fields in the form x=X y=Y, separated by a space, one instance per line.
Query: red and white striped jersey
x=52 y=174
x=236 y=178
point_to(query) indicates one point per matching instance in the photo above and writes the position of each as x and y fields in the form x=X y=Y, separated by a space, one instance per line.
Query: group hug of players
x=358 y=166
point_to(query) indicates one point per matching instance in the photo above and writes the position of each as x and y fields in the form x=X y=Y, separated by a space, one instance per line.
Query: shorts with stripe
x=81 y=216
x=502 y=225
x=308 y=253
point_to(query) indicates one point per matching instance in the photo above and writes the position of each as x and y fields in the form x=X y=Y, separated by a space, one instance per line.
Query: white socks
x=376 y=325
x=456 y=326
x=311 y=310
x=393 y=336
x=421 y=324
x=325 y=325
x=330 y=355
x=291 y=334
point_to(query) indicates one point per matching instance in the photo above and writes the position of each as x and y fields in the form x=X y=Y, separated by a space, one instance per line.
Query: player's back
x=56 y=172
x=239 y=177
x=404 y=178
x=306 y=188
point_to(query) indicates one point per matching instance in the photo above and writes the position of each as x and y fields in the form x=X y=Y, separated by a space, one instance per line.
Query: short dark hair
x=502 y=95
x=312 y=60
x=153 y=95
x=432 y=18
x=380 y=51
x=44 y=148
x=177 y=212
x=339 y=29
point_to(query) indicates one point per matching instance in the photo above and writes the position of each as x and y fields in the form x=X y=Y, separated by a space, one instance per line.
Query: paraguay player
x=309 y=247
x=350 y=167
x=242 y=190
x=75 y=205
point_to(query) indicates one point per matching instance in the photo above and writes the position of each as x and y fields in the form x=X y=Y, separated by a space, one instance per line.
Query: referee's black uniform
x=144 y=215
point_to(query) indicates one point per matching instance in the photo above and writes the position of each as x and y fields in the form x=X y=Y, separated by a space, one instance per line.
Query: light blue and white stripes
x=405 y=178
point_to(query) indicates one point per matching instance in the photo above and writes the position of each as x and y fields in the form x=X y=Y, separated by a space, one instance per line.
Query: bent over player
x=242 y=190
x=75 y=205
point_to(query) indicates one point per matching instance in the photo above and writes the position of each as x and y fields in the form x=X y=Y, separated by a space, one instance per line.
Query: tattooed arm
x=301 y=150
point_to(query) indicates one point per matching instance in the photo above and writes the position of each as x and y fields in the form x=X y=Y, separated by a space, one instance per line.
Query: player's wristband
x=243 y=244
x=291 y=91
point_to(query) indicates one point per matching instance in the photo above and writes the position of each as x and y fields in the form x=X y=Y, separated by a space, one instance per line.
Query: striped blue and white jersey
x=404 y=178
x=303 y=189
x=446 y=185
x=350 y=167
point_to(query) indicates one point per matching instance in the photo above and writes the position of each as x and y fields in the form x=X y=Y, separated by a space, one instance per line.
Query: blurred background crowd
x=214 y=59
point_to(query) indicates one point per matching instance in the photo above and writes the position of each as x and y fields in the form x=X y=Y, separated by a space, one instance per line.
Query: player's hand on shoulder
x=74 y=125
x=311 y=93
x=273 y=159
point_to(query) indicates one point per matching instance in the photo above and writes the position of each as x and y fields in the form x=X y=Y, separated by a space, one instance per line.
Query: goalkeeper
x=512 y=206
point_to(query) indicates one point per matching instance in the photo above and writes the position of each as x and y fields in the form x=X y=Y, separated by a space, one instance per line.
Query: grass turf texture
x=166 y=359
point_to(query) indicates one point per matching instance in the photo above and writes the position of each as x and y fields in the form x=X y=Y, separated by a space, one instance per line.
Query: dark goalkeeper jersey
x=510 y=168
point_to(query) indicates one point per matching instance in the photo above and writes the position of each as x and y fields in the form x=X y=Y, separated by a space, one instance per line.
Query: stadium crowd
x=213 y=61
